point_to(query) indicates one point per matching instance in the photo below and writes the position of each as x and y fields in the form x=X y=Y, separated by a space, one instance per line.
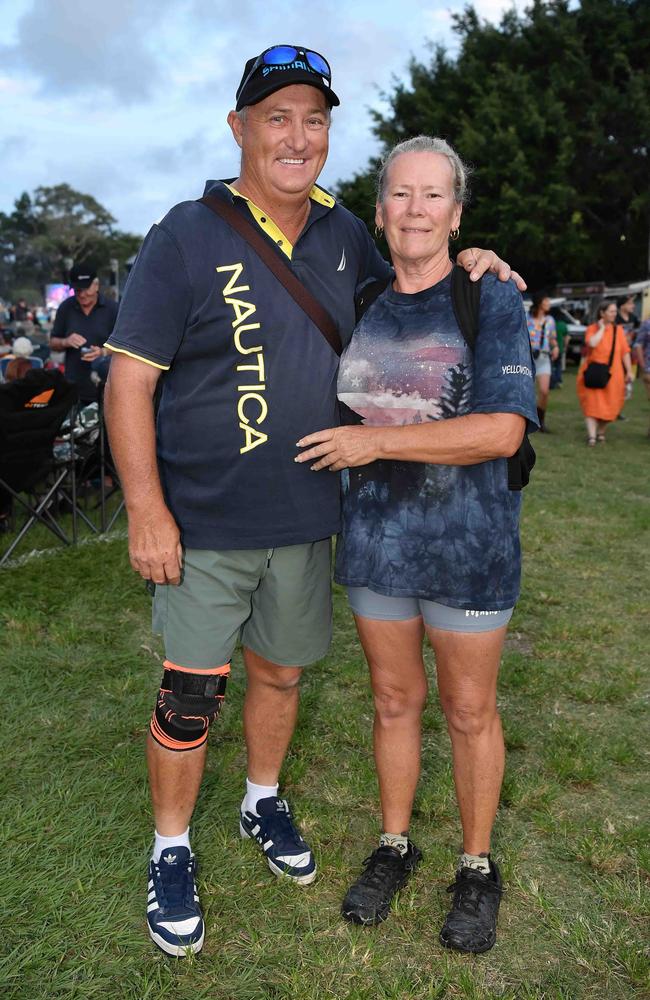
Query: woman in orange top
x=600 y=406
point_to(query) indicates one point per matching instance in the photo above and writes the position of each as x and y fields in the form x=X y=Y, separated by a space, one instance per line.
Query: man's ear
x=236 y=126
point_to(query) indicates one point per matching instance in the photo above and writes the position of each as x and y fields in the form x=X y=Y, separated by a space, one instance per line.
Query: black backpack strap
x=466 y=300
x=370 y=291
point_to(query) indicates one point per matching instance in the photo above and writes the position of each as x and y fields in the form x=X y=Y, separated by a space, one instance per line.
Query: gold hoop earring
x=379 y=232
x=454 y=234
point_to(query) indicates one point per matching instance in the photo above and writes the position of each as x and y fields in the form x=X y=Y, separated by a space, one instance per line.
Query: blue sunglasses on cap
x=284 y=55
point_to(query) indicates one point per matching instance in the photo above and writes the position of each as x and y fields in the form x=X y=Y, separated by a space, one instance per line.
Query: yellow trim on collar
x=266 y=224
x=138 y=357
x=322 y=197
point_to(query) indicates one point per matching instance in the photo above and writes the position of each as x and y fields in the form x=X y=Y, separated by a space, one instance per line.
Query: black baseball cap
x=82 y=275
x=280 y=66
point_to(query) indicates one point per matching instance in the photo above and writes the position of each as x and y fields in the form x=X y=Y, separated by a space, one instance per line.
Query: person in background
x=627 y=318
x=601 y=406
x=642 y=355
x=543 y=341
x=559 y=363
x=83 y=324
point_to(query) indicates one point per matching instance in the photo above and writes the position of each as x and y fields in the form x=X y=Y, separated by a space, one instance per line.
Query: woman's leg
x=600 y=434
x=468 y=666
x=592 y=429
x=543 y=386
x=393 y=650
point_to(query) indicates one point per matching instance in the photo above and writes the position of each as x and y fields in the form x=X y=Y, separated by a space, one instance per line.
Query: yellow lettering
x=263 y=407
x=253 y=438
x=238 y=343
x=241 y=309
x=230 y=287
x=257 y=367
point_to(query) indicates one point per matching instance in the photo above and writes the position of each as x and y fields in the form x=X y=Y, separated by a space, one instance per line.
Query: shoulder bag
x=597 y=374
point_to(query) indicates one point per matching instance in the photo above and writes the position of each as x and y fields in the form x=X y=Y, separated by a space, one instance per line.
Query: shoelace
x=279 y=827
x=469 y=888
x=380 y=866
x=175 y=884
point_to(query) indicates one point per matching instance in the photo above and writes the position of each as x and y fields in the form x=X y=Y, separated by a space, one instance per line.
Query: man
x=82 y=325
x=234 y=533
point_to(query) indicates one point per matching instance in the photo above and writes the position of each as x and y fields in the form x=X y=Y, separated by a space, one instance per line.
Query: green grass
x=79 y=671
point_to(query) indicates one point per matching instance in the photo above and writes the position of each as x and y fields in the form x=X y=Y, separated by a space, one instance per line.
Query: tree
x=552 y=109
x=55 y=225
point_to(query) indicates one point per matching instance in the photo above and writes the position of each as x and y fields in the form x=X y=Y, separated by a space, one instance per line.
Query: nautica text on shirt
x=516 y=370
x=252 y=407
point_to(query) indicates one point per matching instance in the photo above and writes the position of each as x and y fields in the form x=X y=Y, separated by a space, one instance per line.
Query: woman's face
x=418 y=208
x=609 y=314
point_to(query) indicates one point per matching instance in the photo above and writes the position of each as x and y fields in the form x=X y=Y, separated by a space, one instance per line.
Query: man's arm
x=155 y=549
x=478 y=261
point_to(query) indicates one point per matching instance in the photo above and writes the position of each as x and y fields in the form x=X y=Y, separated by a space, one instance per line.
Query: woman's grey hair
x=427 y=144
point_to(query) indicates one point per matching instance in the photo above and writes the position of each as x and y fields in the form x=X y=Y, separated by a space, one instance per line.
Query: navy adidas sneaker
x=275 y=832
x=174 y=916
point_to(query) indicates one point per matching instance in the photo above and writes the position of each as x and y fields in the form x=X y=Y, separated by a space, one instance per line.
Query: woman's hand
x=339 y=448
x=478 y=261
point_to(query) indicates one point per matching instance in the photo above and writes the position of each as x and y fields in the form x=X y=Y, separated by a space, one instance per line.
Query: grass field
x=79 y=672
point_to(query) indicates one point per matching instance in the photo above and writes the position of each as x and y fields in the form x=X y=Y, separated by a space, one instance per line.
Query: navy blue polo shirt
x=96 y=327
x=246 y=371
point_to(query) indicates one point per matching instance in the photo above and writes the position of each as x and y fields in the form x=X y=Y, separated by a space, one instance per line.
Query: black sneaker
x=386 y=870
x=471 y=924
x=276 y=833
x=174 y=916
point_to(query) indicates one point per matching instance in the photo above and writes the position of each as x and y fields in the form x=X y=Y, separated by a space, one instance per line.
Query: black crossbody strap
x=309 y=305
x=611 y=353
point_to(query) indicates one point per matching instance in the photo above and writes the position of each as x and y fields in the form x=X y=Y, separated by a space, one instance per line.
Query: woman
x=600 y=406
x=430 y=539
x=544 y=345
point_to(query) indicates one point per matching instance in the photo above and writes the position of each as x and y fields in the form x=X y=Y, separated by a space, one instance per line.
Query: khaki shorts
x=278 y=602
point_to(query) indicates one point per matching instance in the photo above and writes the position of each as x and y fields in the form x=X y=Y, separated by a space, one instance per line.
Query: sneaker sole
x=177 y=950
x=298 y=879
x=466 y=951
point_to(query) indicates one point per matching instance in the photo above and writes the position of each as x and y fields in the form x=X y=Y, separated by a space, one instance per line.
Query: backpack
x=465 y=300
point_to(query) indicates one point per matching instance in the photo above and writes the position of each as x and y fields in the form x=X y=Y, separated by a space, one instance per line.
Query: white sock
x=254 y=793
x=161 y=843
x=400 y=841
x=479 y=862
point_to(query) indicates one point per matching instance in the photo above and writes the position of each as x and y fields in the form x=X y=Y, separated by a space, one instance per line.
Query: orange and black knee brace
x=188 y=703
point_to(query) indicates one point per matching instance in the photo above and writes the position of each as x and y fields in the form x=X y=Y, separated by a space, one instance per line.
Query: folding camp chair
x=32 y=410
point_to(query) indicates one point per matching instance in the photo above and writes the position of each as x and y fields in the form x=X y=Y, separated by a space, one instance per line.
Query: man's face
x=87 y=297
x=284 y=141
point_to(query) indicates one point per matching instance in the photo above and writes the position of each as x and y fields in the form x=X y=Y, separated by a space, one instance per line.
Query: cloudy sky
x=127 y=99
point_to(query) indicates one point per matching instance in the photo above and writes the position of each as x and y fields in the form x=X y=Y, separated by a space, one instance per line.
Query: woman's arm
x=468 y=440
x=594 y=339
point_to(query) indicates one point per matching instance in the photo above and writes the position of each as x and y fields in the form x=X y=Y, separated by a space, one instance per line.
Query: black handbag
x=597 y=374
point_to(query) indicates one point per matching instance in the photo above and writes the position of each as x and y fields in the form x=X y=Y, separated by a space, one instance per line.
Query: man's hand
x=478 y=261
x=92 y=354
x=74 y=340
x=339 y=448
x=155 y=549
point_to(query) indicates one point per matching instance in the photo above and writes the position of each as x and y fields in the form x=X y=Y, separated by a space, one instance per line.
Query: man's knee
x=263 y=673
x=188 y=703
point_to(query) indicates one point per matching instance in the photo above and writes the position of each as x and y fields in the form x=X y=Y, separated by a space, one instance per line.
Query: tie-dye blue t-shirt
x=447 y=533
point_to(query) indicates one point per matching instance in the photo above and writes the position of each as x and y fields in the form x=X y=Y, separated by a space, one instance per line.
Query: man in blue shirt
x=235 y=534
x=82 y=325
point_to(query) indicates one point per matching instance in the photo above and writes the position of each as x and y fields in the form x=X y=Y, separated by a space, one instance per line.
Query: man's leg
x=270 y=711
x=174 y=779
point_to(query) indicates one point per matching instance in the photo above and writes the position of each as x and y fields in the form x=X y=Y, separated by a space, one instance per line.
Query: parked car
x=575 y=329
